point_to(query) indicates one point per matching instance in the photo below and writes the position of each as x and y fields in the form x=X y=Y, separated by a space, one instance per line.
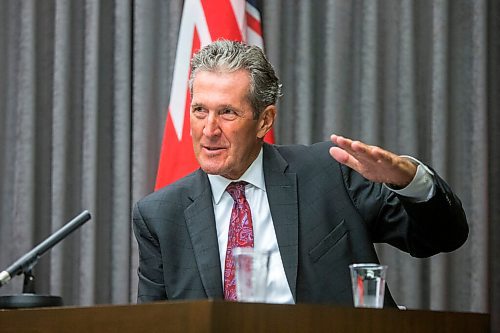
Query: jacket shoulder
x=178 y=194
x=306 y=157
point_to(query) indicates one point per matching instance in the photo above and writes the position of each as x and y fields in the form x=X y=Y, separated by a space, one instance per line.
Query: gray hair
x=230 y=56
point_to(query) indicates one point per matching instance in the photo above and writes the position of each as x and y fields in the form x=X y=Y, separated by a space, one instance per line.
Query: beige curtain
x=84 y=88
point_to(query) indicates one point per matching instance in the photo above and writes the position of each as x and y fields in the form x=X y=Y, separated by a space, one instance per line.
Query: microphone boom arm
x=27 y=261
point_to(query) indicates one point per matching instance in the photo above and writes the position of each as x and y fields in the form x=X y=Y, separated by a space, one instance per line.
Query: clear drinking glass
x=368 y=285
x=251 y=274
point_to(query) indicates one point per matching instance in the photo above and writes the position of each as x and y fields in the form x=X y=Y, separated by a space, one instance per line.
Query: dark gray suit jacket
x=326 y=216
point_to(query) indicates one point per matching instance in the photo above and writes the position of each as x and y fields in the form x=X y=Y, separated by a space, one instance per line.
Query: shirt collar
x=254 y=175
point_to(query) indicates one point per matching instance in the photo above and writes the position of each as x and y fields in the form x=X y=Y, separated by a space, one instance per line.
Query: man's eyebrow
x=219 y=107
x=226 y=106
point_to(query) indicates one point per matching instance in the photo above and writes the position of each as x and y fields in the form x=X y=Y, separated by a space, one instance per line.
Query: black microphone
x=27 y=261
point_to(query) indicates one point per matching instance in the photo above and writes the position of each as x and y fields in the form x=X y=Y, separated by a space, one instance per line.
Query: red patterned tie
x=240 y=235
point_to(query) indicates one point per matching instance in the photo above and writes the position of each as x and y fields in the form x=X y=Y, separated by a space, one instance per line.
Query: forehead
x=222 y=84
x=220 y=78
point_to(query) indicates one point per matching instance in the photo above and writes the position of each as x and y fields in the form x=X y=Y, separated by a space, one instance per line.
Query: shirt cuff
x=421 y=188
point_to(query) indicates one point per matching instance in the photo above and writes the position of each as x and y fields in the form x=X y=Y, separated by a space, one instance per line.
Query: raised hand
x=374 y=163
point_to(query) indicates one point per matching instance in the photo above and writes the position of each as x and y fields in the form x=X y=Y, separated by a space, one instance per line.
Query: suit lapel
x=200 y=222
x=282 y=195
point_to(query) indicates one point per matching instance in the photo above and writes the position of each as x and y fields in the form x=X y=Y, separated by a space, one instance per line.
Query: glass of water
x=368 y=285
x=251 y=274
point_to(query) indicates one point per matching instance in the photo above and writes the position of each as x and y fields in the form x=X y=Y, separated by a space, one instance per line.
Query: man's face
x=226 y=137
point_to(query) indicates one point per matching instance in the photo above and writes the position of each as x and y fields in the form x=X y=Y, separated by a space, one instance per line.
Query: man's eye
x=228 y=114
x=199 y=111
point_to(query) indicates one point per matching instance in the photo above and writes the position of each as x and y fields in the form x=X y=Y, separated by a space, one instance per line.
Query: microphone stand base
x=29 y=301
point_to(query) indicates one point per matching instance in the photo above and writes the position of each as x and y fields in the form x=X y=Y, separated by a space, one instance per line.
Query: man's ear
x=266 y=120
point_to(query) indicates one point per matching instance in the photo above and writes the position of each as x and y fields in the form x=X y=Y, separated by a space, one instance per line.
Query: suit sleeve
x=421 y=229
x=151 y=286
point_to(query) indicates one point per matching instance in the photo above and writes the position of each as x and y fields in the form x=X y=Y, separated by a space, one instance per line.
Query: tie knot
x=237 y=190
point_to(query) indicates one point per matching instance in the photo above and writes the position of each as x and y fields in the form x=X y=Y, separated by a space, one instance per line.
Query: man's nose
x=212 y=125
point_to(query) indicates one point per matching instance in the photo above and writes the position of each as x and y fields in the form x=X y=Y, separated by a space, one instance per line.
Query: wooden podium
x=219 y=316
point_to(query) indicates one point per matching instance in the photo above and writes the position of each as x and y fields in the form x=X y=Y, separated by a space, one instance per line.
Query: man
x=319 y=208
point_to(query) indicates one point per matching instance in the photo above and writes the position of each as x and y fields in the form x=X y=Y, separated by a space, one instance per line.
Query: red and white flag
x=203 y=21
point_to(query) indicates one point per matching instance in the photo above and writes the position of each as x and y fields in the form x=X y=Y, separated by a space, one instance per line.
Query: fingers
x=372 y=162
x=342 y=156
x=362 y=156
x=358 y=149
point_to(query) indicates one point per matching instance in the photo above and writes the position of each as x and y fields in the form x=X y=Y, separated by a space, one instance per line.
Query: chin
x=211 y=169
x=212 y=166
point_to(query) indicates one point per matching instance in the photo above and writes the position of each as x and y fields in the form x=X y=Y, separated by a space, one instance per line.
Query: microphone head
x=4 y=277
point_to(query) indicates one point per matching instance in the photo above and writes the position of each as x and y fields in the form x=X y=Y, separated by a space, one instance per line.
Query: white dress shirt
x=278 y=291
